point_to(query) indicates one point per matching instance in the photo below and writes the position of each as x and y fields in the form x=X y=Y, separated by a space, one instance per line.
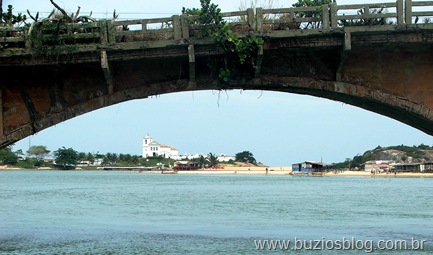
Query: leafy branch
x=240 y=52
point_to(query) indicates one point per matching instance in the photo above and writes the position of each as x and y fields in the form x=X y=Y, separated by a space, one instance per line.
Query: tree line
x=37 y=156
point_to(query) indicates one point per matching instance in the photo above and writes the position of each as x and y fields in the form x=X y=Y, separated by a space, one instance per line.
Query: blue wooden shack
x=307 y=167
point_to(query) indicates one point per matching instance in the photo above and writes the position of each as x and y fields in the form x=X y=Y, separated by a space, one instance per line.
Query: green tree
x=202 y=161
x=246 y=157
x=81 y=156
x=110 y=159
x=38 y=151
x=19 y=153
x=66 y=157
x=209 y=14
x=90 y=157
x=213 y=160
x=7 y=156
x=9 y=19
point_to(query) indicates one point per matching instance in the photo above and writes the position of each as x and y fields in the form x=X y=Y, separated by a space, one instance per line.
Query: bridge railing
x=241 y=22
x=146 y=29
x=295 y=18
x=373 y=14
x=12 y=37
x=67 y=34
x=414 y=14
x=295 y=21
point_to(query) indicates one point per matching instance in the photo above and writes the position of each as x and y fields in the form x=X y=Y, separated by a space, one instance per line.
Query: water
x=80 y=212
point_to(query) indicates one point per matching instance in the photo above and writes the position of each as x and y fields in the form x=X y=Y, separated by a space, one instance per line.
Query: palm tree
x=202 y=161
x=213 y=160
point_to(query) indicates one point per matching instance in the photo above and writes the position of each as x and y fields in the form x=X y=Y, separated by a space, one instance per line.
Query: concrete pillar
x=185 y=26
x=111 y=32
x=347 y=39
x=106 y=70
x=143 y=26
x=259 y=60
x=400 y=12
x=334 y=21
x=191 y=57
x=259 y=20
x=408 y=12
x=177 y=27
x=325 y=17
x=250 y=18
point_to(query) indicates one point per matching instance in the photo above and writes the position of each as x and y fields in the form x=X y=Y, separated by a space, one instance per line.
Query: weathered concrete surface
x=381 y=76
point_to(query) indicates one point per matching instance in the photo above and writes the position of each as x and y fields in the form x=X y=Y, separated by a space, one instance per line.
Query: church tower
x=147 y=140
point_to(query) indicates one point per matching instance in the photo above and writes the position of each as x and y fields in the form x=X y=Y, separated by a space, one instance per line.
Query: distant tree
x=7 y=156
x=135 y=159
x=39 y=152
x=357 y=161
x=202 y=161
x=9 y=19
x=81 y=156
x=246 y=157
x=110 y=159
x=90 y=157
x=424 y=147
x=19 y=153
x=66 y=157
x=213 y=159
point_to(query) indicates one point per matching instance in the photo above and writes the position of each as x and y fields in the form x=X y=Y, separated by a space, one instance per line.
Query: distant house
x=152 y=148
x=225 y=158
x=427 y=167
x=185 y=165
x=308 y=167
x=407 y=167
x=378 y=166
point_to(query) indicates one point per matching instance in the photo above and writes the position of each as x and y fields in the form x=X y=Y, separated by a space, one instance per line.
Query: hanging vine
x=240 y=53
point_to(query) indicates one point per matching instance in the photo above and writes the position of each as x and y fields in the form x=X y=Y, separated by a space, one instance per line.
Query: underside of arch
x=413 y=114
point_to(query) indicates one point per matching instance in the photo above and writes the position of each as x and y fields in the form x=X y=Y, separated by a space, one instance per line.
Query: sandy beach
x=384 y=175
x=288 y=171
x=243 y=170
x=273 y=171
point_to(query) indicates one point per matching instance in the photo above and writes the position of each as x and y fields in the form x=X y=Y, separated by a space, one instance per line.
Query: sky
x=278 y=128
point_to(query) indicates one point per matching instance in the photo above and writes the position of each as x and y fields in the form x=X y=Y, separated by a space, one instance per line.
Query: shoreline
x=328 y=174
x=272 y=171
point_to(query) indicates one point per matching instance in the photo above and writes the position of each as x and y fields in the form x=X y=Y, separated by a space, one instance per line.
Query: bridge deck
x=334 y=25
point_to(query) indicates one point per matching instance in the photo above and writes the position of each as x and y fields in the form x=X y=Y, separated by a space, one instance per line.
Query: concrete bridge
x=345 y=53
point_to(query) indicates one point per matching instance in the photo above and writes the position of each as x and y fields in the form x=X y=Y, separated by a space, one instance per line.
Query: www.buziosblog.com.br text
x=341 y=244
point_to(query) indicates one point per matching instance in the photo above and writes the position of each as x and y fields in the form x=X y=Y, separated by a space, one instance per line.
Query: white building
x=378 y=166
x=152 y=148
x=225 y=158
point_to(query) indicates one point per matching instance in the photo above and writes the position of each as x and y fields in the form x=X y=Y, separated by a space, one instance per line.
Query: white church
x=152 y=148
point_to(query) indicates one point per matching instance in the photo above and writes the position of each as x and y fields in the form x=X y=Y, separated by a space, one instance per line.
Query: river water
x=104 y=212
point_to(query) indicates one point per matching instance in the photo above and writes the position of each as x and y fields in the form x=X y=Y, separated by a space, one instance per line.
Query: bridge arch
x=385 y=68
x=355 y=95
